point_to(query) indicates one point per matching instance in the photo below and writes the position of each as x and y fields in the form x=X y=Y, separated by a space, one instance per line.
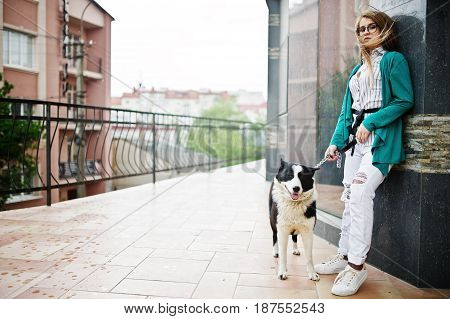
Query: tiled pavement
x=205 y=235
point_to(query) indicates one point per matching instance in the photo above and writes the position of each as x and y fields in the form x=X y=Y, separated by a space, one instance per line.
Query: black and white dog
x=292 y=205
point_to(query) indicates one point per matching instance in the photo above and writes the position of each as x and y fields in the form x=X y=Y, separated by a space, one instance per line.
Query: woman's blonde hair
x=386 y=38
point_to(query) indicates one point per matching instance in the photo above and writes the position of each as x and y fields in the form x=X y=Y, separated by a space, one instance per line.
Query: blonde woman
x=378 y=93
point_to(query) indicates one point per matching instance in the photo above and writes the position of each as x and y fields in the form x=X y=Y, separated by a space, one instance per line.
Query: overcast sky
x=189 y=44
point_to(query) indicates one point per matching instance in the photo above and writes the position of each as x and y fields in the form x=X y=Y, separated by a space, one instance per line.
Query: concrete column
x=273 y=58
x=41 y=47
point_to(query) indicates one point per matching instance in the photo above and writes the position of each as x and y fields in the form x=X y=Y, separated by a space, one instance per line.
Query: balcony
x=58 y=146
x=203 y=235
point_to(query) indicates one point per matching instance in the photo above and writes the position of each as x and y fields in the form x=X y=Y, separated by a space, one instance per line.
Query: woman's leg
x=362 y=189
x=351 y=166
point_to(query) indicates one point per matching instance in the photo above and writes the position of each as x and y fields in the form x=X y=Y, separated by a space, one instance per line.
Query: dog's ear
x=282 y=166
x=310 y=170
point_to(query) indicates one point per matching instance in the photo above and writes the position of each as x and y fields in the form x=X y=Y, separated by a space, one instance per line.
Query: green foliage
x=226 y=141
x=224 y=109
x=18 y=139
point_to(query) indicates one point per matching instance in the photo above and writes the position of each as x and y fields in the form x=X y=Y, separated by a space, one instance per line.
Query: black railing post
x=154 y=149
x=209 y=144
x=48 y=156
x=244 y=145
x=229 y=146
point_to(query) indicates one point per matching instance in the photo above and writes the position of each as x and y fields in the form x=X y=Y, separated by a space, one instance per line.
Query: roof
x=129 y=95
x=101 y=8
x=116 y=100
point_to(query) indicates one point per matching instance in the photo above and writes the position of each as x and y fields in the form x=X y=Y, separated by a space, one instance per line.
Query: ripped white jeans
x=361 y=179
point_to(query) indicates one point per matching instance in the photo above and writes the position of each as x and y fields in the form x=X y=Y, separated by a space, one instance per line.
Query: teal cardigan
x=397 y=99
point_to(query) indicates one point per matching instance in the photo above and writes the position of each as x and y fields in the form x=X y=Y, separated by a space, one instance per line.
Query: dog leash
x=339 y=152
x=323 y=160
x=351 y=145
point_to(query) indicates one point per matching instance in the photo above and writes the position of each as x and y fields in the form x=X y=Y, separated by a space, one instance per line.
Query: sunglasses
x=371 y=28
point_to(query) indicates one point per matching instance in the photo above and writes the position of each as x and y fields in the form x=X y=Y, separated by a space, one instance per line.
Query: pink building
x=31 y=60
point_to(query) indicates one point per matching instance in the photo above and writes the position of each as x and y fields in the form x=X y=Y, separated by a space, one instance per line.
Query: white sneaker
x=333 y=265
x=348 y=281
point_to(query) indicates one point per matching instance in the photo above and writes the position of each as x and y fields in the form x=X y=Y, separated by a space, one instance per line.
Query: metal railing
x=49 y=145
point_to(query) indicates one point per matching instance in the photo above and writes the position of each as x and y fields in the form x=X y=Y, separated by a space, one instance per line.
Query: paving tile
x=409 y=291
x=6 y=239
x=73 y=294
x=42 y=293
x=155 y=288
x=24 y=249
x=271 y=281
x=248 y=216
x=216 y=285
x=222 y=237
x=205 y=226
x=370 y=289
x=182 y=254
x=131 y=256
x=377 y=290
x=243 y=292
x=106 y=246
x=218 y=247
x=82 y=233
x=375 y=274
x=262 y=246
x=12 y=281
x=21 y=265
x=262 y=230
x=80 y=258
x=103 y=279
x=67 y=276
x=167 y=240
x=166 y=269
x=242 y=226
x=251 y=263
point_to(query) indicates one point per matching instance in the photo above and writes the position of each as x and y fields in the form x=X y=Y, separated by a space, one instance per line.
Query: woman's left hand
x=362 y=134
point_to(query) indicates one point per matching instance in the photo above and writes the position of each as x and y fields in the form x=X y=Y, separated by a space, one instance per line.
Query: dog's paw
x=282 y=275
x=314 y=276
x=296 y=252
x=275 y=255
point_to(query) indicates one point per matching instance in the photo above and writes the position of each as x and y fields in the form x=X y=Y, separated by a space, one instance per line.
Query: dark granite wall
x=411 y=222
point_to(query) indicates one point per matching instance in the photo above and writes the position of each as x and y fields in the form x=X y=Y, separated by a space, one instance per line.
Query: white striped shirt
x=366 y=89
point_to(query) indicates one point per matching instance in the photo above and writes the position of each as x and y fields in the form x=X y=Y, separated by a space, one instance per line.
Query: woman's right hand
x=332 y=151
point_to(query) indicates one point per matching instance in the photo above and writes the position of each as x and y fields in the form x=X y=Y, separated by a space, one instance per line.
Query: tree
x=224 y=109
x=18 y=139
x=232 y=142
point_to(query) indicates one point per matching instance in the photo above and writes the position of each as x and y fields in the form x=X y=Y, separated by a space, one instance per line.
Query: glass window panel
x=6 y=47
x=28 y=49
x=338 y=54
x=302 y=80
x=23 y=53
x=282 y=108
x=17 y=49
x=14 y=53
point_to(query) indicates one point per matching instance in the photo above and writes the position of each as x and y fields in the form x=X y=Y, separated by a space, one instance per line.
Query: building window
x=71 y=51
x=17 y=49
x=71 y=94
